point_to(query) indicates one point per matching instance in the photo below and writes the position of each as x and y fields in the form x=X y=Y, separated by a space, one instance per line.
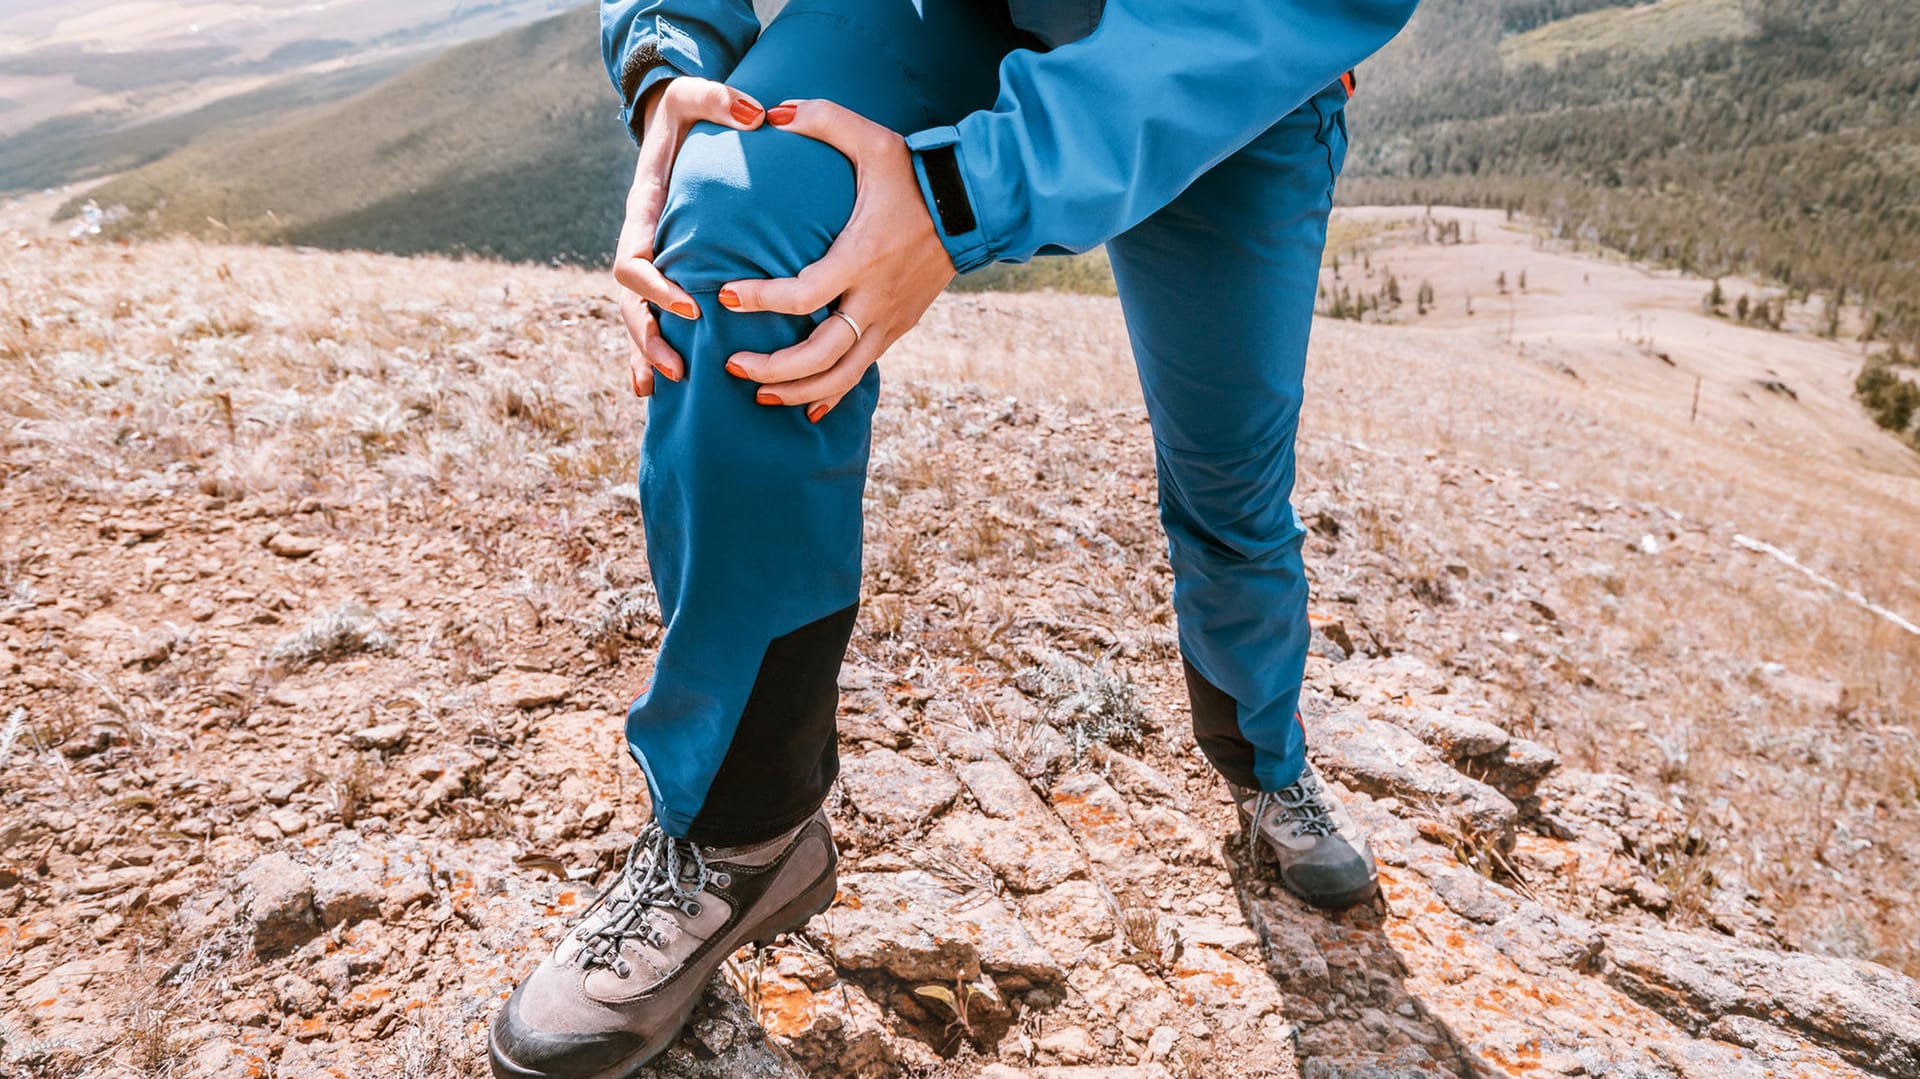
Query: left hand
x=885 y=268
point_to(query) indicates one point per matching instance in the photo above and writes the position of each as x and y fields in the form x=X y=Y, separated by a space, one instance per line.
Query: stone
x=138 y=528
x=1540 y=941
x=1379 y=681
x=1215 y=978
x=446 y=775
x=1027 y=855
x=1070 y=916
x=829 y=1027
x=1067 y=1045
x=276 y=894
x=1456 y=737
x=1142 y=783
x=1162 y=1042
x=344 y=893
x=382 y=736
x=288 y=820
x=1472 y=896
x=919 y=929
x=1385 y=761
x=245 y=1012
x=597 y=815
x=1174 y=836
x=1513 y=766
x=1235 y=938
x=297 y=995
x=888 y=787
x=114 y=880
x=1609 y=811
x=1865 y=1013
x=289 y=545
x=526 y=689
x=1021 y=839
x=404 y=893
x=1099 y=819
x=1131 y=999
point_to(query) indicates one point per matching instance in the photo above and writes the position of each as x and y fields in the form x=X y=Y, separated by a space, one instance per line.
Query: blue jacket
x=1088 y=138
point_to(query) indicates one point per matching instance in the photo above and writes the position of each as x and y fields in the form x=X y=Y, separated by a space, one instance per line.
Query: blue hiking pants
x=753 y=514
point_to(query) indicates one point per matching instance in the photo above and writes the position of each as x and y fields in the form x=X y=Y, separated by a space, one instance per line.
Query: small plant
x=1892 y=400
x=1090 y=704
x=346 y=630
x=618 y=615
x=10 y=732
x=1151 y=943
x=352 y=792
x=957 y=1002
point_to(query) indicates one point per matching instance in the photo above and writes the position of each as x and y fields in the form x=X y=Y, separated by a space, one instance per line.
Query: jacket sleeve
x=1088 y=139
x=645 y=41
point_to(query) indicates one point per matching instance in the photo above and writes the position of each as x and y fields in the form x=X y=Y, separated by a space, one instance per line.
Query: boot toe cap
x=517 y=1049
x=1334 y=883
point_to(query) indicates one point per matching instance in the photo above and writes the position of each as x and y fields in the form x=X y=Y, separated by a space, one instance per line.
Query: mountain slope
x=1782 y=139
x=507 y=147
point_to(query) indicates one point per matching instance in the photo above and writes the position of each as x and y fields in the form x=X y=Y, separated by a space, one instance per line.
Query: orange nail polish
x=817 y=411
x=745 y=111
x=729 y=299
x=671 y=377
x=683 y=309
x=636 y=383
x=767 y=397
x=781 y=114
x=736 y=370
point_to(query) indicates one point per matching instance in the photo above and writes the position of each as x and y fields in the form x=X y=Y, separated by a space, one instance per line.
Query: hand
x=671 y=108
x=885 y=268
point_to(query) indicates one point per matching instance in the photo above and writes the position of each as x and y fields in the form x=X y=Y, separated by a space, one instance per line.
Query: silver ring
x=851 y=325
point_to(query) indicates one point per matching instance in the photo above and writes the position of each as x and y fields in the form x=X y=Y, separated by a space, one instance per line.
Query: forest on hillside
x=1789 y=148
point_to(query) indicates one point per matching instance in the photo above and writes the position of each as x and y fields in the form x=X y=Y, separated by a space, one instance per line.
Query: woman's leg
x=752 y=513
x=1218 y=289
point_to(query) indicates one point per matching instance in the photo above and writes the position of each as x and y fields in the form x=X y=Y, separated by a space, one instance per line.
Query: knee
x=761 y=203
x=1236 y=507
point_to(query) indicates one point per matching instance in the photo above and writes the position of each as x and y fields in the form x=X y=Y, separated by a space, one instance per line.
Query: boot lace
x=1300 y=803
x=660 y=873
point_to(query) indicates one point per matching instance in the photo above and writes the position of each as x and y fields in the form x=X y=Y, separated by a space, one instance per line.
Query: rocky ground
x=322 y=597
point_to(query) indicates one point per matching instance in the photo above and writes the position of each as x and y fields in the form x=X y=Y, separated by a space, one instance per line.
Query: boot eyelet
x=692 y=908
x=723 y=879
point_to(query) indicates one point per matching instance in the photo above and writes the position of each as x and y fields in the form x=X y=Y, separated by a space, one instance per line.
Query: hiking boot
x=1322 y=855
x=618 y=987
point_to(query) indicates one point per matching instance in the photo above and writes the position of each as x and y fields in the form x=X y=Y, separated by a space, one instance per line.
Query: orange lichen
x=785 y=1006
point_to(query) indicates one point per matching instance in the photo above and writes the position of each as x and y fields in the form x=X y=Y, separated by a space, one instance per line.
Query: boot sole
x=795 y=915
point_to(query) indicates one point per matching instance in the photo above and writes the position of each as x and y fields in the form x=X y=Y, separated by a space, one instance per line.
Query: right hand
x=669 y=111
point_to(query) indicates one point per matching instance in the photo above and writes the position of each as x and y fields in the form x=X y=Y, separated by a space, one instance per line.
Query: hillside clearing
x=316 y=557
x=1646 y=29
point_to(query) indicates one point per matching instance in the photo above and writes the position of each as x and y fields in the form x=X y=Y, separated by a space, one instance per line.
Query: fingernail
x=746 y=111
x=736 y=370
x=684 y=309
x=729 y=299
x=767 y=397
x=781 y=114
x=671 y=377
x=817 y=411
x=636 y=384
